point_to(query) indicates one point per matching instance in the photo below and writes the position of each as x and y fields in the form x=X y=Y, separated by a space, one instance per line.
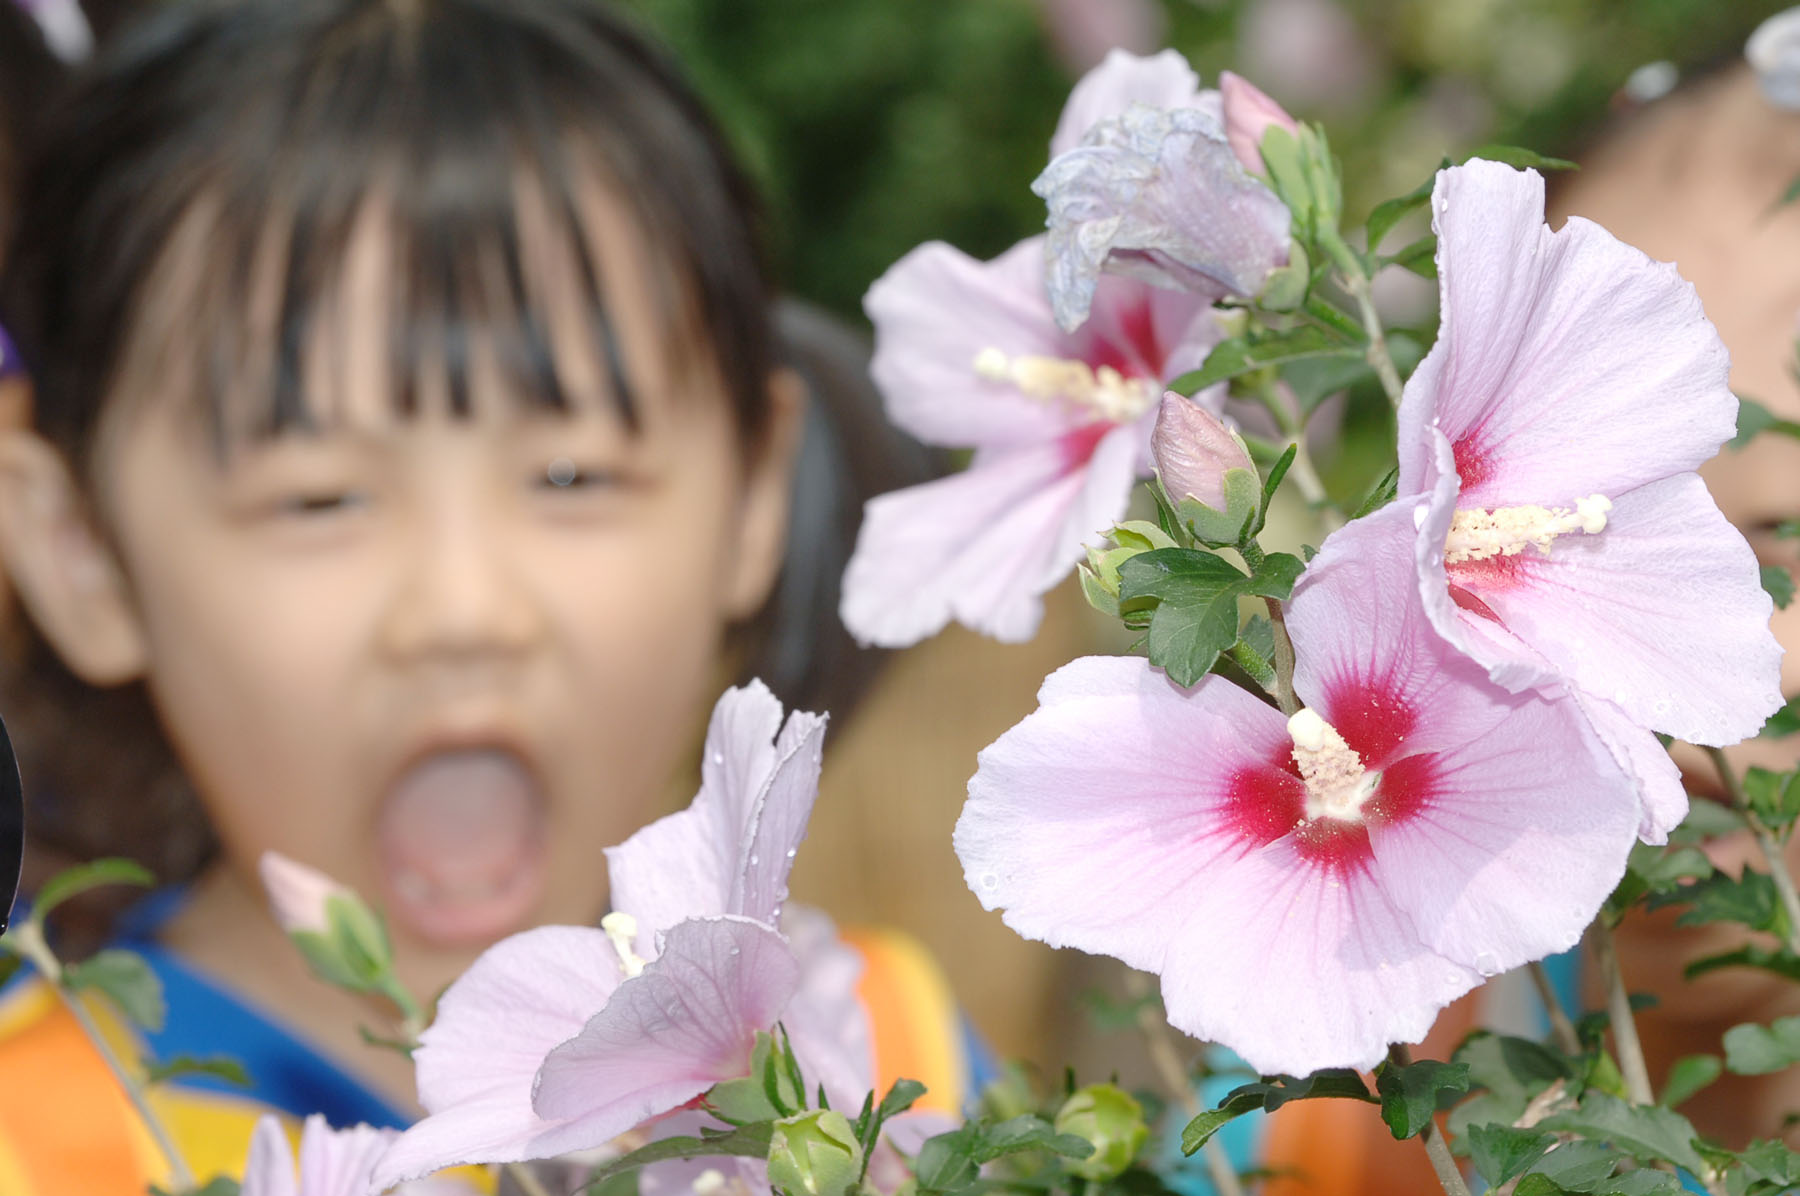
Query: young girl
x=410 y=436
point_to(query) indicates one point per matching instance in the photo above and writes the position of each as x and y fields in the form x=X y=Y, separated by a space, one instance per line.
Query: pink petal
x=1662 y=614
x=339 y=1162
x=270 y=1169
x=1568 y=363
x=1104 y=818
x=983 y=546
x=495 y=1025
x=731 y=850
x=1518 y=834
x=935 y=311
x=1163 y=80
x=1296 y=966
x=1248 y=115
x=1662 y=796
x=1149 y=332
x=668 y=1035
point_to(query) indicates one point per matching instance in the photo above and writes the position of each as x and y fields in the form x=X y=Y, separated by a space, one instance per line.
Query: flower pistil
x=1337 y=784
x=1105 y=391
x=1477 y=535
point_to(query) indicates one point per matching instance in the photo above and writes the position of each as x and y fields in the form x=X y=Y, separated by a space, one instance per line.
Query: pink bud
x=1248 y=115
x=1193 y=449
x=297 y=894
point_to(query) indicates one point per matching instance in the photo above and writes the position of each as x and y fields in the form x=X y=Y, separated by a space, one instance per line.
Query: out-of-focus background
x=877 y=124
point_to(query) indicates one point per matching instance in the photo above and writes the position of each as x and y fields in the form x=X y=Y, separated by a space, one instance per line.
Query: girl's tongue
x=461 y=840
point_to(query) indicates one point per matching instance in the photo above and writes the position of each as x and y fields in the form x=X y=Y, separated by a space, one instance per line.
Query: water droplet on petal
x=990 y=881
x=1487 y=964
x=718 y=757
x=753 y=861
x=791 y=853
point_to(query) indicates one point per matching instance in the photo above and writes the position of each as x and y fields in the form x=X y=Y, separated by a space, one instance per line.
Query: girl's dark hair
x=257 y=134
x=28 y=77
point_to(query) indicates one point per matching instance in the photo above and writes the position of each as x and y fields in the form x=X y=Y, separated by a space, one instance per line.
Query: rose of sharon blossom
x=1310 y=889
x=1155 y=190
x=562 y=1038
x=969 y=356
x=1555 y=426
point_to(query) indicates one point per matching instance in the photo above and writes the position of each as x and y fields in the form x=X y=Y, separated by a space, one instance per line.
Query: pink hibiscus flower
x=1315 y=888
x=1555 y=427
x=969 y=355
x=562 y=1038
x=332 y=1162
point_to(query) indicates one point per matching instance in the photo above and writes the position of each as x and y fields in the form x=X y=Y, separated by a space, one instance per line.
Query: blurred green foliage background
x=874 y=125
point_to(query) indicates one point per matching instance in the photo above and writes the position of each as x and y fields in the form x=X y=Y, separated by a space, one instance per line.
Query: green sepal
x=749 y=1098
x=1230 y=527
x=1286 y=287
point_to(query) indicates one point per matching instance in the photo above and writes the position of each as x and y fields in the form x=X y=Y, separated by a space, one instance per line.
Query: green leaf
x=1766 y=1167
x=219 y=1067
x=1514 y=155
x=1386 y=215
x=1785 y=721
x=219 y=1185
x=744 y=1141
x=1574 y=1167
x=1028 y=1132
x=1380 y=494
x=1240 y=355
x=1409 y=1094
x=1774 y=796
x=1778 y=960
x=1420 y=257
x=1749 y=899
x=1500 y=1152
x=900 y=1097
x=1754 y=419
x=1646 y=1132
x=1275 y=576
x=1271 y=1093
x=1780 y=584
x=1196 y=614
x=1687 y=1076
x=82 y=877
x=126 y=980
x=947 y=1161
x=1511 y=1071
x=1753 y=1050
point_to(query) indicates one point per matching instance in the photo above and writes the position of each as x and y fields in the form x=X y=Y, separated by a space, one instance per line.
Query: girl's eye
x=566 y=474
x=320 y=503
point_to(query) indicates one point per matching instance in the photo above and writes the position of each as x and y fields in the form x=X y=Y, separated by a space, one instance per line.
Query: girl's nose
x=460 y=590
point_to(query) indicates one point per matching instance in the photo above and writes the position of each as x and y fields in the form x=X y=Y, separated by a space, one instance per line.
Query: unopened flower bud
x=342 y=938
x=1248 y=115
x=1194 y=450
x=814 y=1154
x=1107 y=1116
x=297 y=894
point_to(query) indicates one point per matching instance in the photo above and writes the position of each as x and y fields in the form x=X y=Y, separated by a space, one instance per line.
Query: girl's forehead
x=385 y=320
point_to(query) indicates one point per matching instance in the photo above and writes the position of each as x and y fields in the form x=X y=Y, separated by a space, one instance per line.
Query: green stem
x=1436 y=1149
x=1355 y=279
x=1767 y=843
x=1284 y=659
x=28 y=940
x=1327 y=314
x=1159 y=1041
x=526 y=1181
x=1561 y=1028
x=1624 y=1026
x=1292 y=425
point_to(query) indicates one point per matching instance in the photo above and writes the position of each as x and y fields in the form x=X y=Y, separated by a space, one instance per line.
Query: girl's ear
x=768 y=491
x=63 y=571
